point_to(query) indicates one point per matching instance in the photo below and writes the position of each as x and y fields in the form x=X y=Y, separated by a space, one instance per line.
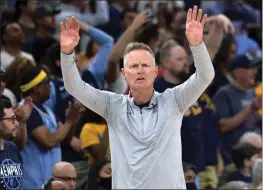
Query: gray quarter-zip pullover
x=145 y=144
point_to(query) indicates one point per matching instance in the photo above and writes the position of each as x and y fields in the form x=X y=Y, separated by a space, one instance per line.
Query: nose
x=140 y=69
x=16 y=123
x=72 y=184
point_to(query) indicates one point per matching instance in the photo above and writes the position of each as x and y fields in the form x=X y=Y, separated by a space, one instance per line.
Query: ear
x=123 y=72
x=156 y=71
x=246 y=162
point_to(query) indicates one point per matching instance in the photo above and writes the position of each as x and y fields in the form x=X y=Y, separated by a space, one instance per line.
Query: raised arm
x=96 y=100
x=99 y=65
x=116 y=54
x=188 y=92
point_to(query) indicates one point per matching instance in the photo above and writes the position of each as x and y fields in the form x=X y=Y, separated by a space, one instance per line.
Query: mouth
x=140 y=79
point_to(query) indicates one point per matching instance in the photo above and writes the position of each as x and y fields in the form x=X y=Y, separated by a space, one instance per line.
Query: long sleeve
x=99 y=65
x=96 y=100
x=188 y=92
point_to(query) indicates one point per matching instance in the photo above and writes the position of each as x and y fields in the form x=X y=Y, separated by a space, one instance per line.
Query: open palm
x=69 y=37
x=194 y=26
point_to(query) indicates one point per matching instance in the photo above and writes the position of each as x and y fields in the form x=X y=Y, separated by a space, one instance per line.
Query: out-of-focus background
x=221 y=133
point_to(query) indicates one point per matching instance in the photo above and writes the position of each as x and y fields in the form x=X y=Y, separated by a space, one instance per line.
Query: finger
x=199 y=16
x=194 y=13
x=73 y=22
x=67 y=24
x=62 y=27
x=189 y=15
x=204 y=19
x=77 y=26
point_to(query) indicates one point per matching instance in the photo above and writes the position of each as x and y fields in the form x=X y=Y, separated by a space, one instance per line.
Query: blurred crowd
x=49 y=140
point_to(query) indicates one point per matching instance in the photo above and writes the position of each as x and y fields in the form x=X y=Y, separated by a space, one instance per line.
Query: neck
x=35 y=99
x=238 y=85
x=245 y=172
x=1 y=143
x=13 y=49
x=224 y=70
x=142 y=96
x=26 y=20
x=42 y=33
x=169 y=77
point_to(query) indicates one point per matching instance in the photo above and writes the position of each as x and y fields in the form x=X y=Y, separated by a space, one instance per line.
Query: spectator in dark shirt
x=236 y=104
x=45 y=26
x=100 y=176
x=244 y=157
x=24 y=13
x=45 y=133
x=10 y=159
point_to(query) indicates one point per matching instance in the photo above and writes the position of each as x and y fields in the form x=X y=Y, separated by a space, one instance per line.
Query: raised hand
x=69 y=37
x=140 y=20
x=24 y=111
x=195 y=26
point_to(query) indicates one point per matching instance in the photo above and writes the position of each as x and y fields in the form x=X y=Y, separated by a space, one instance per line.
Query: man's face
x=139 y=69
x=13 y=33
x=250 y=162
x=30 y=7
x=68 y=177
x=48 y=22
x=177 y=64
x=245 y=76
x=189 y=176
x=43 y=90
x=9 y=124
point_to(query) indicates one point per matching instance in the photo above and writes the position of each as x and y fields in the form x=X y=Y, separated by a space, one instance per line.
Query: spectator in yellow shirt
x=94 y=137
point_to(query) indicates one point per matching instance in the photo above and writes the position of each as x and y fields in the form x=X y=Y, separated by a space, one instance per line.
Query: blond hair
x=136 y=46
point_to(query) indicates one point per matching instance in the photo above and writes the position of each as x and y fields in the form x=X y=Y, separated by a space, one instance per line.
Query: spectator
x=223 y=58
x=244 y=157
x=189 y=175
x=68 y=8
x=257 y=174
x=24 y=13
x=241 y=14
x=100 y=176
x=252 y=138
x=94 y=137
x=14 y=71
x=44 y=132
x=66 y=173
x=127 y=17
x=113 y=27
x=236 y=104
x=73 y=7
x=10 y=159
x=38 y=43
x=12 y=38
x=234 y=185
